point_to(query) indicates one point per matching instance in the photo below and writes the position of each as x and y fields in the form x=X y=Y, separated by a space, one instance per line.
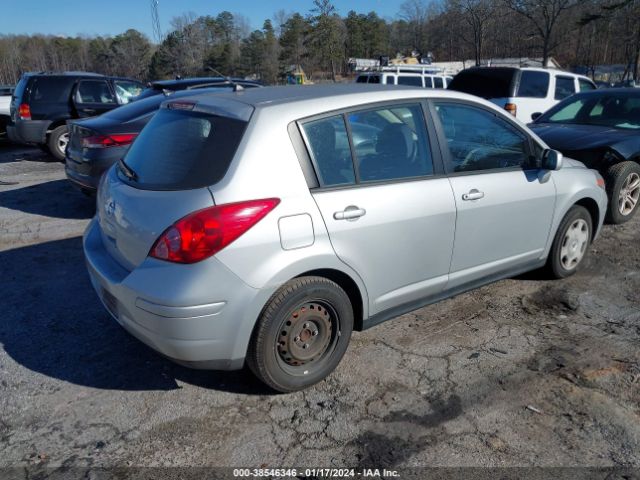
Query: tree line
x=575 y=32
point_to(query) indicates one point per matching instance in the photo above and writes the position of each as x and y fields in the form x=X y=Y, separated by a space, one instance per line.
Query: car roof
x=306 y=100
x=601 y=92
x=64 y=74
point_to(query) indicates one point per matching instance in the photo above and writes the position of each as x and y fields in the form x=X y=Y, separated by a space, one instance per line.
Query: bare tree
x=544 y=16
x=478 y=15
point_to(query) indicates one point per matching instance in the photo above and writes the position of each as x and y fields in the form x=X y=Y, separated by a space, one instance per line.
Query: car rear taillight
x=204 y=233
x=511 y=108
x=24 y=111
x=105 y=141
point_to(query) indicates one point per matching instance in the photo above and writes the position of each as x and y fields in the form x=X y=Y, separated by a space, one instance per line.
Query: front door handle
x=474 y=194
x=350 y=213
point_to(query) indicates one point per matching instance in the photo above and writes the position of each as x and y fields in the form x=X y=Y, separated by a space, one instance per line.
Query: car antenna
x=236 y=87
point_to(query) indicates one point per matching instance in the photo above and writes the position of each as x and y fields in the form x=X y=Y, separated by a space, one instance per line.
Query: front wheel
x=571 y=242
x=301 y=335
x=623 y=187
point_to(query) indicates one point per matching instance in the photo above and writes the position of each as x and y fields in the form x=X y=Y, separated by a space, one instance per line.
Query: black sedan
x=601 y=128
x=98 y=142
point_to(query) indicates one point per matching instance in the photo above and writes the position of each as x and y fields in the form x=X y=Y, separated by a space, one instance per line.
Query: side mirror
x=535 y=116
x=551 y=159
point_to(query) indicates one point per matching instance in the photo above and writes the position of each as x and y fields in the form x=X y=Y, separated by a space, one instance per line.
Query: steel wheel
x=574 y=244
x=629 y=194
x=302 y=334
x=307 y=335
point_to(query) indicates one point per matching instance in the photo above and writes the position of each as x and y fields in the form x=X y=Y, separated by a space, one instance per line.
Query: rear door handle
x=473 y=194
x=350 y=213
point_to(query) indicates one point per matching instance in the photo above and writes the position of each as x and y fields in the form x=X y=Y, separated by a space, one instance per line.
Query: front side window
x=565 y=87
x=329 y=148
x=585 y=85
x=390 y=143
x=126 y=90
x=479 y=140
x=94 y=91
x=533 y=84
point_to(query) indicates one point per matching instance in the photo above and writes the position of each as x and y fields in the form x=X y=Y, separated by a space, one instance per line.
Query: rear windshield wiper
x=128 y=171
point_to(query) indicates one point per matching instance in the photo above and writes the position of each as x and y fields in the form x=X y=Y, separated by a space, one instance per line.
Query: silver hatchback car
x=264 y=226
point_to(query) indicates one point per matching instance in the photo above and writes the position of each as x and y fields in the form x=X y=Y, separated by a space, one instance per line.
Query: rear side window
x=51 y=89
x=490 y=82
x=374 y=79
x=329 y=149
x=437 y=82
x=564 y=87
x=391 y=143
x=180 y=150
x=585 y=85
x=407 y=80
x=94 y=91
x=361 y=79
x=533 y=84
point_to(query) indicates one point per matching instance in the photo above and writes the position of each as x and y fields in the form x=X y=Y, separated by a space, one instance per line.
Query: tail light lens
x=204 y=233
x=105 y=141
x=511 y=108
x=24 y=111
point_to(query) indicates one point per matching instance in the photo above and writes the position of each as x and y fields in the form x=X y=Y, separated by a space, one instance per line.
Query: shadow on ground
x=57 y=198
x=55 y=325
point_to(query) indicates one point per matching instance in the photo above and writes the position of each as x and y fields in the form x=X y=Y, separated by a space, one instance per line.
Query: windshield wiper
x=128 y=171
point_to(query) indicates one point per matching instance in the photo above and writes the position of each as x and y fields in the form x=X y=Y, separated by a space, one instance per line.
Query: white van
x=410 y=75
x=524 y=92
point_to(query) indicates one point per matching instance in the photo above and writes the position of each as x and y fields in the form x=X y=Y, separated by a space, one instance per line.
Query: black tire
x=616 y=177
x=54 y=142
x=299 y=308
x=557 y=263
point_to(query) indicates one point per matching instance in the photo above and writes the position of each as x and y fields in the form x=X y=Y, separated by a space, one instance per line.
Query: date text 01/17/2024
x=316 y=472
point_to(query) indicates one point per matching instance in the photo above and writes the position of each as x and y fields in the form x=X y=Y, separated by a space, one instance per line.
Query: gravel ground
x=523 y=372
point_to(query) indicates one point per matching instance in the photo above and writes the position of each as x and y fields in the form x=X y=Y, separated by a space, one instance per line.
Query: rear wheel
x=302 y=334
x=58 y=141
x=570 y=243
x=623 y=188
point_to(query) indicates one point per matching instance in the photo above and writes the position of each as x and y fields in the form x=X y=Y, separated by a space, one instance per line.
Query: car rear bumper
x=154 y=303
x=28 y=131
x=85 y=167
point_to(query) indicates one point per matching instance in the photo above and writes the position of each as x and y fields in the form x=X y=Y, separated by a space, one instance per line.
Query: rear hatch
x=165 y=175
x=491 y=83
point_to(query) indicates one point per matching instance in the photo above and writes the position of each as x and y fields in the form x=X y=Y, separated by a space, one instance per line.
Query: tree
x=293 y=40
x=543 y=16
x=477 y=14
x=327 y=35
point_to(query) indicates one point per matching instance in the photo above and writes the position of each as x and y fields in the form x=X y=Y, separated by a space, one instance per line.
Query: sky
x=110 y=17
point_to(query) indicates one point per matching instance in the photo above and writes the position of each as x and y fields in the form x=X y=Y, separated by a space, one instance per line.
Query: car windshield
x=611 y=110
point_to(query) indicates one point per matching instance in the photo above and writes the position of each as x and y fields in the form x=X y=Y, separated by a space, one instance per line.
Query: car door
x=388 y=209
x=93 y=97
x=504 y=203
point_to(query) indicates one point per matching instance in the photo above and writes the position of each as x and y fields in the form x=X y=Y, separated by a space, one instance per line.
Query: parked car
x=523 y=92
x=416 y=76
x=160 y=86
x=43 y=102
x=97 y=143
x=255 y=227
x=601 y=129
x=5 y=100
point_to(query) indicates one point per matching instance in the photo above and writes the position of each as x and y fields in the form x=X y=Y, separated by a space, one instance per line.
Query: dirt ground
x=524 y=372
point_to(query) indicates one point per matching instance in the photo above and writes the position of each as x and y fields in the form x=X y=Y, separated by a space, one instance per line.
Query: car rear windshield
x=19 y=91
x=485 y=82
x=180 y=150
